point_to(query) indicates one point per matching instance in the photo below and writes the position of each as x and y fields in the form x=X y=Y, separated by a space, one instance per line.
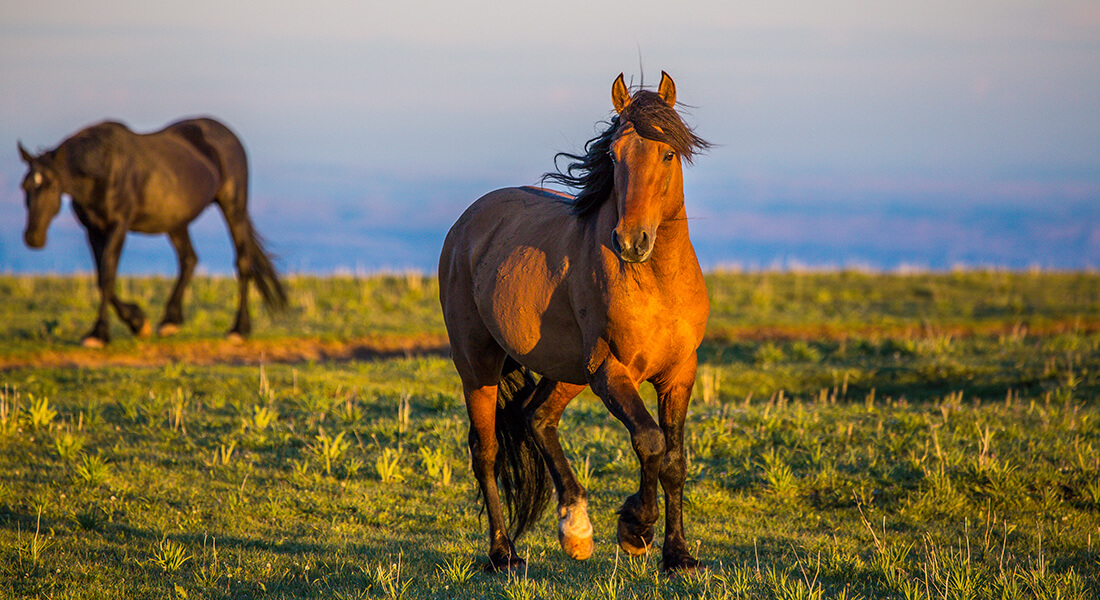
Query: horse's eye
x=611 y=155
x=669 y=155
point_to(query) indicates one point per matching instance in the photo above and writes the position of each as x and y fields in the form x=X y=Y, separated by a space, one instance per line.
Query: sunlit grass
x=901 y=463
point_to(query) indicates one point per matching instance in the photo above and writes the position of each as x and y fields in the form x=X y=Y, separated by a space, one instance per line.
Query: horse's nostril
x=615 y=242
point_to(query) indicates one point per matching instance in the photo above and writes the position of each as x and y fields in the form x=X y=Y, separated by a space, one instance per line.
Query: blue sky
x=855 y=132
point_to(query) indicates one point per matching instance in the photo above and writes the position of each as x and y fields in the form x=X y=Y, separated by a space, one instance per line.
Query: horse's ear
x=620 y=96
x=667 y=89
x=26 y=156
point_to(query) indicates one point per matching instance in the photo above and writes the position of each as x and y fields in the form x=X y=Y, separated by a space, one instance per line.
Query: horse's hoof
x=168 y=329
x=145 y=330
x=575 y=531
x=234 y=338
x=92 y=342
x=632 y=543
x=680 y=564
x=502 y=564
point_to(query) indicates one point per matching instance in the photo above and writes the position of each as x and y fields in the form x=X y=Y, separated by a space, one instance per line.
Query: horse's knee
x=188 y=261
x=244 y=265
x=673 y=469
x=649 y=443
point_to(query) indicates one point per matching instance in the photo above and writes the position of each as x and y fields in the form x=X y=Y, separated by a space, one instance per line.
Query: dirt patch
x=297 y=350
x=210 y=352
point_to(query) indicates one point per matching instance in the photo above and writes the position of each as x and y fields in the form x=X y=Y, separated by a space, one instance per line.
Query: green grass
x=54 y=312
x=870 y=439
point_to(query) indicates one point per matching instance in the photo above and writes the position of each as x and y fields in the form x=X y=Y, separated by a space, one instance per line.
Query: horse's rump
x=218 y=144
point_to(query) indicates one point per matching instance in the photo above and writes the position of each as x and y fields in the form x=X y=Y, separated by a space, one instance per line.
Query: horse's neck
x=673 y=250
x=61 y=165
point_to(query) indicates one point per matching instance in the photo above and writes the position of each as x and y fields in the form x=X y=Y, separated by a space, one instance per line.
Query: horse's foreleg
x=128 y=313
x=481 y=404
x=544 y=411
x=106 y=249
x=674 y=396
x=173 y=311
x=639 y=512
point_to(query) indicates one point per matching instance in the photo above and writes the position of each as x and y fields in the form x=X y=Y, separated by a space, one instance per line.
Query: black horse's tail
x=263 y=272
x=523 y=475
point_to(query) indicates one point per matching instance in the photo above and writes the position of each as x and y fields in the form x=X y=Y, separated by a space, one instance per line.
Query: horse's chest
x=654 y=331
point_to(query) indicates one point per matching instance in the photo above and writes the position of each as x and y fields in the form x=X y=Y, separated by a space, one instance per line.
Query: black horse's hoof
x=504 y=564
x=679 y=563
x=633 y=538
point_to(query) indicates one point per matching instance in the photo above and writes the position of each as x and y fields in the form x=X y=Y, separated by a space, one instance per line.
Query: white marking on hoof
x=234 y=338
x=146 y=329
x=168 y=329
x=575 y=530
x=91 y=342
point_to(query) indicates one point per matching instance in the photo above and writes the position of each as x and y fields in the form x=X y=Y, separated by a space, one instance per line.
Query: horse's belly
x=167 y=217
x=177 y=193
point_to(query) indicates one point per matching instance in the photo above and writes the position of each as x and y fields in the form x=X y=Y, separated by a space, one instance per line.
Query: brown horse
x=600 y=290
x=120 y=181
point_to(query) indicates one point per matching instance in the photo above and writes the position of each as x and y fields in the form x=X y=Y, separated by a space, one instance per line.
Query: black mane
x=593 y=172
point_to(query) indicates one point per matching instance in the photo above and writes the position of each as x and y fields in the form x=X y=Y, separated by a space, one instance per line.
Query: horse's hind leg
x=173 y=311
x=481 y=404
x=544 y=412
x=479 y=360
x=240 y=229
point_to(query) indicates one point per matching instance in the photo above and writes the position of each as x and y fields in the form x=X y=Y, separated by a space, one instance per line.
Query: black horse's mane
x=593 y=172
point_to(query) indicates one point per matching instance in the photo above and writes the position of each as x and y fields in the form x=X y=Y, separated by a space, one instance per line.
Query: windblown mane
x=593 y=173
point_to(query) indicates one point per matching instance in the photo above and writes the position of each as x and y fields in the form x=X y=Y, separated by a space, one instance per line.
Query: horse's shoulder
x=91 y=151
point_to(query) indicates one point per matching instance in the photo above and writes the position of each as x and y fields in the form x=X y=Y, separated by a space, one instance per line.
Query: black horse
x=120 y=181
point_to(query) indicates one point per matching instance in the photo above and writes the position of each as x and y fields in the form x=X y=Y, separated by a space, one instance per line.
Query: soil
x=298 y=350
x=221 y=351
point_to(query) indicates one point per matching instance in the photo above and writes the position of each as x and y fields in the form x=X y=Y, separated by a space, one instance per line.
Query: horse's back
x=505 y=219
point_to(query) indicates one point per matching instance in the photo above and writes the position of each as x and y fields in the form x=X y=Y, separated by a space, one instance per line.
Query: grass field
x=852 y=435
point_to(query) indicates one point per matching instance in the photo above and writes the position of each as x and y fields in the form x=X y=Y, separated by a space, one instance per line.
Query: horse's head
x=646 y=151
x=42 y=187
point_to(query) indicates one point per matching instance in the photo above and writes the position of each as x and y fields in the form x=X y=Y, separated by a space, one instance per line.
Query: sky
x=868 y=133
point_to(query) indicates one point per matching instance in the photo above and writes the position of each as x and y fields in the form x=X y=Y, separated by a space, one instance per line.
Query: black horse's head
x=42 y=186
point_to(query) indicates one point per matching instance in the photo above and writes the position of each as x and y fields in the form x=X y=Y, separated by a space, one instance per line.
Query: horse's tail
x=263 y=271
x=523 y=475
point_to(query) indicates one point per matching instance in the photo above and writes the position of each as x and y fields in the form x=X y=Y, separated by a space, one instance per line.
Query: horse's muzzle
x=34 y=239
x=635 y=248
